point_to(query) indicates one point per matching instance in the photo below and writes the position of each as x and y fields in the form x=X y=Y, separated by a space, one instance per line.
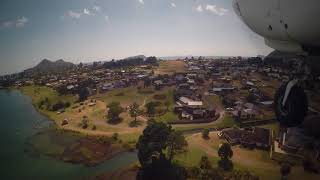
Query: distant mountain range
x=51 y=66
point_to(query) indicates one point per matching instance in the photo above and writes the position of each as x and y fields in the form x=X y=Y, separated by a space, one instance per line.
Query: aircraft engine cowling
x=286 y=25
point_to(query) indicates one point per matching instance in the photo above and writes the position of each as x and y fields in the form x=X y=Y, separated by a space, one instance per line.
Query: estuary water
x=19 y=121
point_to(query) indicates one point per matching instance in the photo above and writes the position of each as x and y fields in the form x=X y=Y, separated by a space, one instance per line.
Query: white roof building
x=190 y=102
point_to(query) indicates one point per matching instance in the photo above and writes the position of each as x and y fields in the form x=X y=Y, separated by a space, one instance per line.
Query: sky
x=95 y=30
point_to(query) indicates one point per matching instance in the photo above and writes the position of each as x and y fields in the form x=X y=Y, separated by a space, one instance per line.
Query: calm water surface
x=20 y=121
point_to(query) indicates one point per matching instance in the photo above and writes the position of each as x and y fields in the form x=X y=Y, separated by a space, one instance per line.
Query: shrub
x=225 y=164
x=67 y=104
x=115 y=136
x=205 y=134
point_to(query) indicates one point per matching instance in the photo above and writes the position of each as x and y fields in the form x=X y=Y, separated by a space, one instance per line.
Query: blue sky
x=88 y=30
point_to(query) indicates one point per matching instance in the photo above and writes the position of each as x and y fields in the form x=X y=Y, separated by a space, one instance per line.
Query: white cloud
x=73 y=14
x=107 y=18
x=7 y=24
x=215 y=10
x=22 y=21
x=141 y=1
x=96 y=8
x=199 y=8
x=86 y=11
x=18 y=23
x=173 y=5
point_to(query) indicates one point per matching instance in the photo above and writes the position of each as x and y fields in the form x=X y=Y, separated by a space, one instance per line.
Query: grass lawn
x=130 y=138
x=40 y=93
x=167 y=117
x=125 y=96
x=255 y=161
x=192 y=157
x=96 y=115
x=171 y=67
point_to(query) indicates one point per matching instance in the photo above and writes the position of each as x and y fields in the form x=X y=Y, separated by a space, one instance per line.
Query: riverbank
x=21 y=123
x=72 y=117
x=74 y=148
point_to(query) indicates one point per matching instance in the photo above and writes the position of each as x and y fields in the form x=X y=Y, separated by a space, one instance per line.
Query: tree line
x=130 y=62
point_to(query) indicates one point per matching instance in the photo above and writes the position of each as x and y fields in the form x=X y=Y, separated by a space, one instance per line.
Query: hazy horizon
x=95 y=30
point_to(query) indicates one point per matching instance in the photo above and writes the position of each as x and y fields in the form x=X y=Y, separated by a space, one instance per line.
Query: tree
x=205 y=134
x=151 y=108
x=83 y=94
x=114 y=111
x=152 y=145
x=151 y=60
x=135 y=111
x=84 y=122
x=205 y=168
x=205 y=163
x=285 y=170
x=176 y=144
x=153 y=139
x=59 y=105
x=225 y=153
x=115 y=136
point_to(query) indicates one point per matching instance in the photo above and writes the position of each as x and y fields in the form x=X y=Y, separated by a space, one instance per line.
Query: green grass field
x=40 y=93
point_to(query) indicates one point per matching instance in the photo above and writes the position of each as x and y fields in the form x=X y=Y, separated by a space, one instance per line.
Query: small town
x=224 y=99
x=160 y=90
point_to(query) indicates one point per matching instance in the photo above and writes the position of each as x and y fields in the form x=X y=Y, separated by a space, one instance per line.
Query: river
x=20 y=121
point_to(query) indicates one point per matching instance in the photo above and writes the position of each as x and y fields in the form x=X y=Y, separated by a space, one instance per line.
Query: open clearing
x=171 y=67
x=96 y=114
x=256 y=161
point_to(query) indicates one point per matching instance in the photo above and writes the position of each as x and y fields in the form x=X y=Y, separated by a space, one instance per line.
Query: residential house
x=252 y=137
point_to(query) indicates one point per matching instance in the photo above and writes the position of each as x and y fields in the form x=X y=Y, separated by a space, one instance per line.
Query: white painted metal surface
x=286 y=25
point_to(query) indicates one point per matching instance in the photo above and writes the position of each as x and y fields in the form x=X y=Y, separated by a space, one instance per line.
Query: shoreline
x=82 y=132
x=121 y=131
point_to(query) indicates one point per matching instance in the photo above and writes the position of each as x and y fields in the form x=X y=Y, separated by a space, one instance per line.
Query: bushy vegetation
x=157 y=147
x=114 y=111
x=47 y=105
x=205 y=134
x=225 y=153
x=130 y=62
